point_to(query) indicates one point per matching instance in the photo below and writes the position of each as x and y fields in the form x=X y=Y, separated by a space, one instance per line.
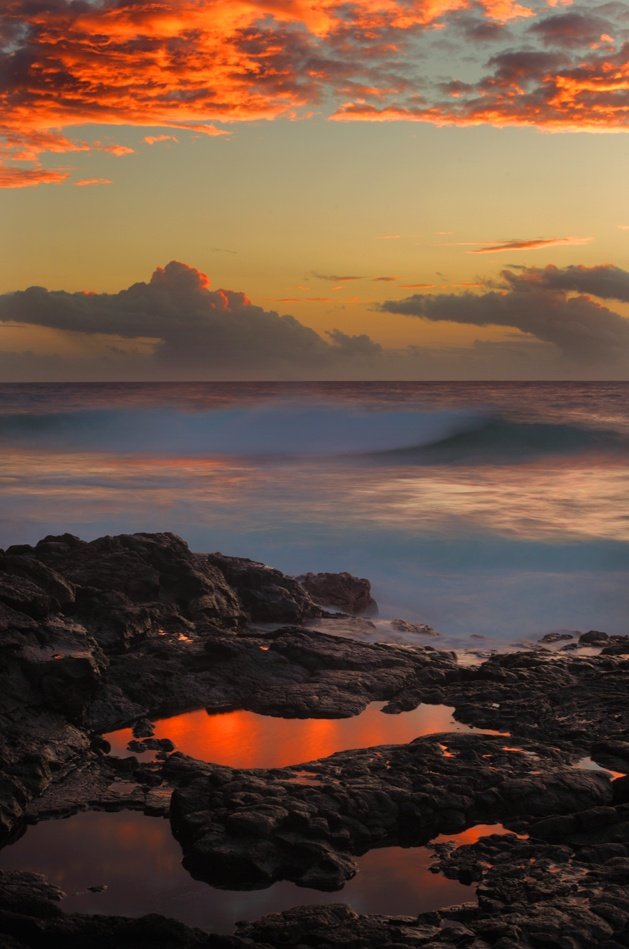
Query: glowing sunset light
x=316 y=142
x=473 y=834
x=141 y=861
x=243 y=739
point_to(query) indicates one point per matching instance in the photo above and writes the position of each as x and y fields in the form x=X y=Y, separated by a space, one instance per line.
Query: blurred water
x=483 y=509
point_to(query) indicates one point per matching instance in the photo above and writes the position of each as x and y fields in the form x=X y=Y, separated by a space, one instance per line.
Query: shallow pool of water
x=247 y=740
x=139 y=862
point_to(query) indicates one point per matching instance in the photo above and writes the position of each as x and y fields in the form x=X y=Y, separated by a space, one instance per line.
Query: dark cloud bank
x=192 y=331
x=539 y=302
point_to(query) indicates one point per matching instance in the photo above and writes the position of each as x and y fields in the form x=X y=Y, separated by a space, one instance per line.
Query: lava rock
x=341 y=590
x=266 y=594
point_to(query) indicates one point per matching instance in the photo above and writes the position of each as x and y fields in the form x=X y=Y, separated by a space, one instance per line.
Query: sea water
x=495 y=510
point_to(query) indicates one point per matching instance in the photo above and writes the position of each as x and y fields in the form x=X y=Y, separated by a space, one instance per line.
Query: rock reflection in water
x=246 y=740
x=138 y=861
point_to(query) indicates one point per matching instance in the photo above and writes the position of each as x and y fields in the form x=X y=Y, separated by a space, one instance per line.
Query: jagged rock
x=129 y=586
x=259 y=826
x=341 y=590
x=556 y=637
x=594 y=637
x=618 y=646
x=67 y=682
x=290 y=671
x=558 y=698
x=144 y=728
x=129 y=628
x=266 y=594
x=420 y=629
x=30 y=916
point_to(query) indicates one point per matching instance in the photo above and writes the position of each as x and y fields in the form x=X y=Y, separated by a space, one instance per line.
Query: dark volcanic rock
x=294 y=672
x=594 y=637
x=125 y=629
x=128 y=587
x=28 y=894
x=571 y=700
x=556 y=637
x=29 y=586
x=30 y=916
x=249 y=828
x=266 y=594
x=419 y=629
x=618 y=646
x=341 y=590
x=338 y=925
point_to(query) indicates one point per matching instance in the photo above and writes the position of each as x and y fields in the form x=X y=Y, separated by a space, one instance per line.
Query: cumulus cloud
x=191 y=325
x=538 y=302
x=188 y=64
x=176 y=326
x=605 y=281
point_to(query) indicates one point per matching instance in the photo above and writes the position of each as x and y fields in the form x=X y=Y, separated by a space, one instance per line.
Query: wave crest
x=397 y=437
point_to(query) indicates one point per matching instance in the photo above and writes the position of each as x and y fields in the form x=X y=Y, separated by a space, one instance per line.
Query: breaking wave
x=393 y=437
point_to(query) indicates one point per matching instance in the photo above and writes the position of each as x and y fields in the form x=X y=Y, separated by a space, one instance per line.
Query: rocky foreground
x=95 y=636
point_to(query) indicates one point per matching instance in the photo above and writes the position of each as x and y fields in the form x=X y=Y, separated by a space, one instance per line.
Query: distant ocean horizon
x=493 y=509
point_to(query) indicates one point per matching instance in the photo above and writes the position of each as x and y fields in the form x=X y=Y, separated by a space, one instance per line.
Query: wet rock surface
x=259 y=826
x=341 y=590
x=122 y=630
x=266 y=594
x=571 y=700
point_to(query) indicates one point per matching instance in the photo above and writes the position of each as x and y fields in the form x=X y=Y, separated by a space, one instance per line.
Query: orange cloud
x=541 y=89
x=84 y=182
x=154 y=139
x=187 y=64
x=538 y=244
x=30 y=177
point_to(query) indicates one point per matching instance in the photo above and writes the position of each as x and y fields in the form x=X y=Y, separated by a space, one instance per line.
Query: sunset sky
x=379 y=189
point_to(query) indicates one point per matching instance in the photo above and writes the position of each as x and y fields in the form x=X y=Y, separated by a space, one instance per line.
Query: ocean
x=495 y=512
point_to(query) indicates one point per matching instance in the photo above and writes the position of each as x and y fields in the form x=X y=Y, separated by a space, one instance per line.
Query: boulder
x=340 y=590
x=266 y=594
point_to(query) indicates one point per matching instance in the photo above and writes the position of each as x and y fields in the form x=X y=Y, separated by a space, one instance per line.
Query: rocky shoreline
x=125 y=630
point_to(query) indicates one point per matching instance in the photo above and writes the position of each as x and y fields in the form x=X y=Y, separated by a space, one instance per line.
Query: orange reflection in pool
x=246 y=740
x=473 y=834
x=138 y=863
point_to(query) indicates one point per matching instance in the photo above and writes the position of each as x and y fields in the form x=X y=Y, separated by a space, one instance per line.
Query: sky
x=281 y=189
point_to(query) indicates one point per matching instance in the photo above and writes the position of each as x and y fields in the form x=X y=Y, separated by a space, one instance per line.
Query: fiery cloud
x=30 y=177
x=86 y=182
x=154 y=139
x=539 y=244
x=187 y=64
